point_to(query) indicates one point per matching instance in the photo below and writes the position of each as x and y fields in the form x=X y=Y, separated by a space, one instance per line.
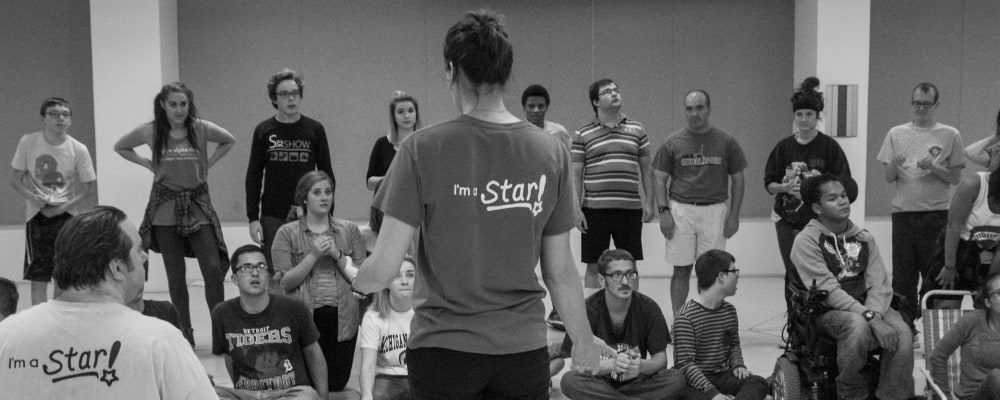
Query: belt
x=701 y=203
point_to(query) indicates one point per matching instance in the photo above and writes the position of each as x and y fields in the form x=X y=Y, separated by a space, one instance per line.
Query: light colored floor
x=758 y=300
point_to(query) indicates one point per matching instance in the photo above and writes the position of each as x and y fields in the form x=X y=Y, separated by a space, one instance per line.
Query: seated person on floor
x=160 y=309
x=8 y=298
x=385 y=329
x=706 y=333
x=844 y=260
x=269 y=340
x=978 y=334
x=631 y=323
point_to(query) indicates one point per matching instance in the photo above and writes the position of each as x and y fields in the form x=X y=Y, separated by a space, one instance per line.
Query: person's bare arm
x=317 y=368
x=366 y=377
x=563 y=281
x=735 y=202
x=126 y=145
x=648 y=188
x=378 y=270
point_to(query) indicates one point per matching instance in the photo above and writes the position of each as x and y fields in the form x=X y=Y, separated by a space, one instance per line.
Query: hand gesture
x=648 y=212
x=321 y=245
x=667 y=225
x=586 y=357
x=732 y=225
x=256 y=232
x=946 y=278
x=885 y=335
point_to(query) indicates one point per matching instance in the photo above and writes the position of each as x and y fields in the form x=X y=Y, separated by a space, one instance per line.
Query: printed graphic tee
x=54 y=170
x=266 y=347
x=482 y=196
x=64 y=350
x=387 y=336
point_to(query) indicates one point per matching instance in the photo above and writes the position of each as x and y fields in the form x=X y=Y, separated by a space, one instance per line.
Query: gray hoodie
x=847 y=265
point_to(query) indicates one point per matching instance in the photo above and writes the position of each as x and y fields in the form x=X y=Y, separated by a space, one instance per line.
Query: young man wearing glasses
x=269 y=341
x=923 y=159
x=707 y=340
x=53 y=172
x=614 y=180
x=843 y=259
x=284 y=147
x=632 y=324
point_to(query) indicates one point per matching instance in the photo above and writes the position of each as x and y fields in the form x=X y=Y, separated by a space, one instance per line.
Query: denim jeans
x=914 y=239
x=854 y=340
x=391 y=387
x=665 y=384
x=752 y=387
x=293 y=393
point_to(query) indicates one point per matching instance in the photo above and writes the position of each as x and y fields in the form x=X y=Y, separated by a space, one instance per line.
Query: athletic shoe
x=554 y=321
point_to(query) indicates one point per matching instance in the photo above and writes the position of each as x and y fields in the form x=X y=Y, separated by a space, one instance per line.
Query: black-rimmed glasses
x=618 y=275
x=251 y=268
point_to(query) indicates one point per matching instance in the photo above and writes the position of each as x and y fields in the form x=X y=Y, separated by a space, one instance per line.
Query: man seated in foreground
x=269 y=341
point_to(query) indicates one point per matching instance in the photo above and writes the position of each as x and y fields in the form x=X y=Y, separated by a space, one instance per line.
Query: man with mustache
x=633 y=324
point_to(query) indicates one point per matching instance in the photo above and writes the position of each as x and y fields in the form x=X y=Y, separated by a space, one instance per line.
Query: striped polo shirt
x=610 y=157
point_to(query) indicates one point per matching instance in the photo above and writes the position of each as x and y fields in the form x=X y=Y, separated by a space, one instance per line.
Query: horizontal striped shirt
x=706 y=341
x=610 y=157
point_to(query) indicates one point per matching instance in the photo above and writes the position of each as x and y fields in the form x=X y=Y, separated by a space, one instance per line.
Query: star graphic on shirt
x=109 y=376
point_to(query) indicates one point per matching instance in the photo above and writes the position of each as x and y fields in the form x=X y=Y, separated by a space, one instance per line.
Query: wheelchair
x=808 y=367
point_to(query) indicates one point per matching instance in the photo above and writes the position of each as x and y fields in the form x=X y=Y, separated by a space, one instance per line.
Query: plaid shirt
x=186 y=223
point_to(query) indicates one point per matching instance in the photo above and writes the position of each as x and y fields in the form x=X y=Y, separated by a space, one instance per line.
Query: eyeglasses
x=609 y=91
x=251 y=268
x=618 y=275
x=57 y=114
x=732 y=271
x=923 y=104
x=286 y=95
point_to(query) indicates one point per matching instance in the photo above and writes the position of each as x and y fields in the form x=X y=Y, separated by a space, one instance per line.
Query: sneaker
x=555 y=322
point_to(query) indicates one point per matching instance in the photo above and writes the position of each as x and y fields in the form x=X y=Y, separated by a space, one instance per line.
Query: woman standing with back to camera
x=180 y=220
x=491 y=194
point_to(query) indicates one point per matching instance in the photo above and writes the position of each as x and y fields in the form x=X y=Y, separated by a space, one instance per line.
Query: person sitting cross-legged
x=707 y=340
x=269 y=340
x=631 y=323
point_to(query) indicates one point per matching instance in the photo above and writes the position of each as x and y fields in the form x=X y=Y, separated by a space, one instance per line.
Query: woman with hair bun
x=807 y=152
x=491 y=195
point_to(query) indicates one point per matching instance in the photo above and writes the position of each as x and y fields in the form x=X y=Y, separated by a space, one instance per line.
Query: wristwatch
x=869 y=315
x=661 y=209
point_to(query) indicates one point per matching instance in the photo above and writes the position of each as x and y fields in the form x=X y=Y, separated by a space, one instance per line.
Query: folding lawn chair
x=936 y=322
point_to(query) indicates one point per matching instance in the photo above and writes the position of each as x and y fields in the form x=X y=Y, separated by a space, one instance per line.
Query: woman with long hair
x=384 y=330
x=807 y=152
x=491 y=195
x=978 y=334
x=312 y=251
x=179 y=220
x=404 y=119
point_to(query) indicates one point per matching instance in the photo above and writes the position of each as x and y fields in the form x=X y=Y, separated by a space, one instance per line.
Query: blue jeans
x=391 y=387
x=293 y=393
x=665 y=384
x=854 y=340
